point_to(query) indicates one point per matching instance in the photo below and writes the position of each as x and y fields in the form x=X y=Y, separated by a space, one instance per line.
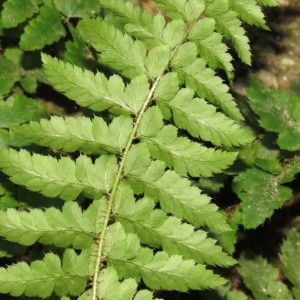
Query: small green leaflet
x=44 y=29
x=63 y=178
x=83 y=134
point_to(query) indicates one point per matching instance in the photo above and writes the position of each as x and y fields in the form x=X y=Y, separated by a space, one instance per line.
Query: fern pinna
x=163 y=119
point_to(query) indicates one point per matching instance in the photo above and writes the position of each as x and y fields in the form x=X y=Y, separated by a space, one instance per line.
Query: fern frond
x=157 y=230
x=95 y=90
x=159 y=271
x=83 y=134
x=43 y=277
x=63 y=228
x=203 y=33
x=180 y=153
x=12 y=15
x=118 y=50
x=181 y=9
x=249 y=12
x=204 y=81
x=151 y=179
x=228 y=24
x=202 y=121
x=44 y=29
x=111 y=288
x=63 y=178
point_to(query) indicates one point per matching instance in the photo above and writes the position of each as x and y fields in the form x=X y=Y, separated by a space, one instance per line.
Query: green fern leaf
x=290 y=257
x=182 y=9
x=111 y=288
x=155 y=229
x=228 y=24
x=166 y=187
x=158 y=272
x=261 y=193
x=8 y=76
x=77 y=8
x=266 y=285
x=202 y=121
x=12 y=15
x=95 y=91
x=279 y=111
x=118 y=50
x=44 y=29
x=62 y=177
x=83 y=134
x=249 y=12
x=207 y=85
x=43 y=277
x=18 y=109
x=206 y=39
x=63 y=228
x=179 y=152
x=157 y=60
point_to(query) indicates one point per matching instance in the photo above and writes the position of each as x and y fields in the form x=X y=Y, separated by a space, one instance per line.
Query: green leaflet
x=96 y=91
x=269 y=2
x=206 y=84
x=166 y=187
x=157 y=271
x=18 y=109
x=229 y=25
x=8 y=76
x=290 y=258
x=118 y=50
x=155 y=229
x=83 y=134
x=63 y=228
x=202 y=121
x=279 y=111
x=266 y=285
x=111 y=288
x=42 y=277
x=12 y=15
x=182 y=9
x=77 y=8
x=44 y=29
x=63 y=178
x=180 y=153
x=261 y=193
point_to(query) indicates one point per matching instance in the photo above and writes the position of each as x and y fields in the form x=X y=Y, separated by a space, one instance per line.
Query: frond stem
x=115 y=186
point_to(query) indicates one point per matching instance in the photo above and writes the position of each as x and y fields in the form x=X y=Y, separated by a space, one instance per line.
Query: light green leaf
x=77 y=8
x=269 y=2
x=182 y=9
x=44 y=29
x=229 y=25
x=166 y=187
x=63 y=177
x=207 y=85
x=204 y=35
x=167 y=87
x=18 y=109
x=157 y=230
x=249 y=12
x=185 y=156
x=63 y=228
x=261 y=193
x=12 y=15
x=83 y=134
x=157 y=60
x=8 y=76
x=118 y=51
x=95 y=90
x=290 y=257
x=266 y=285
x=43 y=277
x=111 y=288
x=202 y=121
